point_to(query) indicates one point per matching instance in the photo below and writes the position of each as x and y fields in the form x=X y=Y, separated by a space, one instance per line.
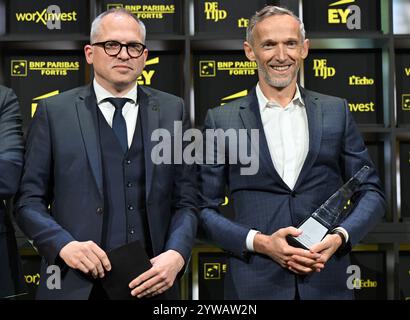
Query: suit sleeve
x=371 y=205
x=11 y=144
x=184 y=221
x=36 y=191
x=214 y=227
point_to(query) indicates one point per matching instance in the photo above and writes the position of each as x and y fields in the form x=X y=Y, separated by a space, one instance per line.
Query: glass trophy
x=329 y=214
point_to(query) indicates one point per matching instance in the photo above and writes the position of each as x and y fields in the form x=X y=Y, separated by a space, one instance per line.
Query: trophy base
x=312 y=232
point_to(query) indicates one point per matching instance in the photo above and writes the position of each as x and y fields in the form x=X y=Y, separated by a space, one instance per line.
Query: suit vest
x=125 y=218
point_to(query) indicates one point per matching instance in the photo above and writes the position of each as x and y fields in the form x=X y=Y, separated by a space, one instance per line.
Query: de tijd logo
x=339 y=13
x=213 y=12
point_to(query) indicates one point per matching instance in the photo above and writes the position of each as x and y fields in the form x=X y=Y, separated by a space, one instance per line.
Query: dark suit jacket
x=264 y=202
x=11 y=162
x=63 y=169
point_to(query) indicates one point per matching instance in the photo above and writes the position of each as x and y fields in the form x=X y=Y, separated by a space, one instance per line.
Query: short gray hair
x=95 y=26
x=269 y=11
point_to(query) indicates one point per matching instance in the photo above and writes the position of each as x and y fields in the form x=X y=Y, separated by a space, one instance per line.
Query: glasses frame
x=126 y=45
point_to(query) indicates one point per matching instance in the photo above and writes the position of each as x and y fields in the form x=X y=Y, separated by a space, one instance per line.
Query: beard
x=277 y=82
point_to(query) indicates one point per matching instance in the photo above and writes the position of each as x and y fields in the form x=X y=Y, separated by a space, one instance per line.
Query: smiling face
x=278 y=49
x=117 y=74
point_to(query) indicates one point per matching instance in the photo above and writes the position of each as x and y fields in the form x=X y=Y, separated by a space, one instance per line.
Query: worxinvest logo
x=146 y=76
x=351 y=16
x=35 y=100
x=212 y=11
x=51 y=17
x=146 y=11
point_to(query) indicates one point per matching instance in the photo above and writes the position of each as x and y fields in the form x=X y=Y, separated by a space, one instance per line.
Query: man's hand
x=297 y=260
x=87 y=257
x=327 y=247
x=160 y=277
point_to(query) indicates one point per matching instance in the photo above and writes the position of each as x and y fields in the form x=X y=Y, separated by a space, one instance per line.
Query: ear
x=305 y=48
x=249 y=51
x=88 y=52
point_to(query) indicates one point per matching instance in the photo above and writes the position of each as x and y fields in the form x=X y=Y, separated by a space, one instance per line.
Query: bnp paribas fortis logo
x=322 y=70
x=405 y=102
x=20 y=68
x=209 y=68
x=214 y=270
x=146 y=76
x=35 y=100
x=146 y=11
x=214 y=12
x=51 y=17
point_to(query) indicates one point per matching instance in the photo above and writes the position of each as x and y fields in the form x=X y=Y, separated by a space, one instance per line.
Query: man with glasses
x=89 y=185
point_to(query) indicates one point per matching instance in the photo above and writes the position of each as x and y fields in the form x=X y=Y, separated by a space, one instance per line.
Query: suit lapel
x=149 y=109
x=314 y=117
x=87 y=116
x=251 y=118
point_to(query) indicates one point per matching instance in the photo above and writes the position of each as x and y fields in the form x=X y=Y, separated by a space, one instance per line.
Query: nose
x=281 y=52
x=123 y=54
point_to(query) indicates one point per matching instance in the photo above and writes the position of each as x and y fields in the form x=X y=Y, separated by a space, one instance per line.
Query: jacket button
x=100 y=210
x=128 y=161
x=130 y=207
x=129 y=184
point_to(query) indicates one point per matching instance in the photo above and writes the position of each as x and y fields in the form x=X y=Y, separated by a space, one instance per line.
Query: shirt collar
x=102 y=94
x=262 y=100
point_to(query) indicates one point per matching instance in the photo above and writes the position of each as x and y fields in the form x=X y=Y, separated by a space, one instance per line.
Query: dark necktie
x=118 y=122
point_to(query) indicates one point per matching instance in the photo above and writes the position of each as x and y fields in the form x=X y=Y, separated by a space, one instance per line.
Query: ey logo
x=18 y=68
x=207 y=68
x=405 y=102
x=322 y=70
x=351 y=16
x=214 y=270
x=146 y=76
x=213 y=13
x=35 y=100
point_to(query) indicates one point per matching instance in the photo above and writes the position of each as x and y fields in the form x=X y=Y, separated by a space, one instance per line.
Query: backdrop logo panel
x=341 y=15
x=403 y=87
x=404 y=181
x=372 y=284
x=221 y=78
x=158 y=16
x=360 y=82
x=228 y=17
x=163 y=71
x=49 y=16
x=44 y=75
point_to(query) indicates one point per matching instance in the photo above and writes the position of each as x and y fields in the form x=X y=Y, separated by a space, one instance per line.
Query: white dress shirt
x=129 y=111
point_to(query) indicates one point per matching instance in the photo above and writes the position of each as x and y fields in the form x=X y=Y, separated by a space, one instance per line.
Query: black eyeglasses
x=113 y=48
